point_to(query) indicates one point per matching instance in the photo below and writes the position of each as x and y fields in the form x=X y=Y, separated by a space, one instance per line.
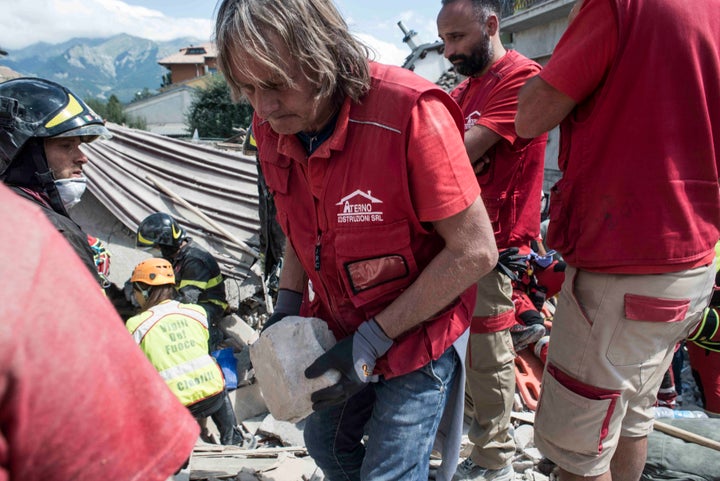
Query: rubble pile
x=279 y=453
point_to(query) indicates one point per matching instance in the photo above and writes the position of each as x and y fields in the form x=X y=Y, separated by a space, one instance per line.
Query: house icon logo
x=359 y=207
x=472 y=119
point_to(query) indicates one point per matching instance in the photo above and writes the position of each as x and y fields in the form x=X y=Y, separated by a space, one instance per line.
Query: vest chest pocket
x=277 y=177
x=493 y=206
x=375 y=263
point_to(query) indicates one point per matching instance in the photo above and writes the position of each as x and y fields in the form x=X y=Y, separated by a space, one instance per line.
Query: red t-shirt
x=640 y=152
x=440 y=184
x=78 y=399
x=512 y=182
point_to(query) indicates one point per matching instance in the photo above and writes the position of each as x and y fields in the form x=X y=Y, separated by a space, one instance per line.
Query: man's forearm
x=293 y=275
x=540 y=108
x=470 y=253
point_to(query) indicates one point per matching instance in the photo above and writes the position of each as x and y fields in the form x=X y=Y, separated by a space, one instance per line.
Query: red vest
x=512 y=182
x=348 y=215
x=639 y=192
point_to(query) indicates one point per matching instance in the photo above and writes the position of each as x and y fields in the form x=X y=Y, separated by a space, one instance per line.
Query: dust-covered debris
x=280 y=453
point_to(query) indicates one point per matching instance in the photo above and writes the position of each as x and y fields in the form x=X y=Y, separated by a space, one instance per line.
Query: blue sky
x=30 y=21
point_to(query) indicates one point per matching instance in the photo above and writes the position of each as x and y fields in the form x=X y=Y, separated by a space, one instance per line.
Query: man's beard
x=476 y=62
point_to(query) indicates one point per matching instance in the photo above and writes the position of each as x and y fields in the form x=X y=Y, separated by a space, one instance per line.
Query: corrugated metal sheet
x=222 y=185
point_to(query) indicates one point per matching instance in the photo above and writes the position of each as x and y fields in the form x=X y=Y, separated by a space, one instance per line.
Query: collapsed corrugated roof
x=211 y=192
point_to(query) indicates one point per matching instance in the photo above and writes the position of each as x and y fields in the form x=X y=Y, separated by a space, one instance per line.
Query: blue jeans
x=400 y=417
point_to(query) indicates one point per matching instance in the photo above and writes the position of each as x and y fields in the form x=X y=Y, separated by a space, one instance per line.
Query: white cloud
x=385 y=52
x=55 y=21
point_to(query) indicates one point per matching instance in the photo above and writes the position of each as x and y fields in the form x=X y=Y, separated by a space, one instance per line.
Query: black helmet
x=38 y=108
x=159 y=229
x=249 y=146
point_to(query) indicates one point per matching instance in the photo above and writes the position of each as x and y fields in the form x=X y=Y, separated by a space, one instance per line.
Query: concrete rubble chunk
x=290 y=469
x=289 y=434
x=237 y=332
x=245 y=372
x=280 y=357
x=248 y=402
x=524 y=436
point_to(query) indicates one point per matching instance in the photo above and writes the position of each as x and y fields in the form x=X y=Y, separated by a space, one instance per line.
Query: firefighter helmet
x=159 y=229
x=249 y=146
x=35 y=107
x=154 y=272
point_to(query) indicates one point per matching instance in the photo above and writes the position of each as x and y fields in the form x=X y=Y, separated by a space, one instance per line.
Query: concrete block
x=280 y=357
x=248 y=402
x=237 y=331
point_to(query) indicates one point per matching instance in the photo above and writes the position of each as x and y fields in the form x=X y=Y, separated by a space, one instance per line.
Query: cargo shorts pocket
x=572 y=415
x=649 y=326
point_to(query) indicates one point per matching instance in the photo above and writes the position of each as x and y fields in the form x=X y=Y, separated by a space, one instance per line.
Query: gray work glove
x=355 y=357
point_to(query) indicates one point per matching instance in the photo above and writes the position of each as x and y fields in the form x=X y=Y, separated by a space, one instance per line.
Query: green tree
x=113 y=111
x=142 y=95
x=213 y=112
x=98 y=106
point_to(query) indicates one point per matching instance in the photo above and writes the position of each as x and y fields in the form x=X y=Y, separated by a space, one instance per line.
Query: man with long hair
x=386 y=232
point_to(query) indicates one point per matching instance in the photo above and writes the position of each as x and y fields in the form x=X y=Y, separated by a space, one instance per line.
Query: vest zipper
x=317 y=254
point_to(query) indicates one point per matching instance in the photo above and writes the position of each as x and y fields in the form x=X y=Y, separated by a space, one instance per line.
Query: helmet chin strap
x=45 y=176
x=145 y=293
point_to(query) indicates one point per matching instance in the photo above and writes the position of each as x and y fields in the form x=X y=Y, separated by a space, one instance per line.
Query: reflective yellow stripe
x=710 y=346
x=215 y=281
x=143 y=240
x=72 y=109
x=200 y=284
x=218 y=302
x=187 y=367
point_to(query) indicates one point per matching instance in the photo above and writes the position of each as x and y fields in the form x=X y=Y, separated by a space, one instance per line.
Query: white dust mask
x=71 y=190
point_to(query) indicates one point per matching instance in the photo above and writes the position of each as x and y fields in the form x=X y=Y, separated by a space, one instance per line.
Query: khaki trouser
x=489 y=397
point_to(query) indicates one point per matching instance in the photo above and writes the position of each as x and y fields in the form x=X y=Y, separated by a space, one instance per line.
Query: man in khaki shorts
x=635 y=217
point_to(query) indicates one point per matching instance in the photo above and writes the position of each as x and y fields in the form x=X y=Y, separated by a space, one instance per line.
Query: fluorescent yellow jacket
x=174 y=337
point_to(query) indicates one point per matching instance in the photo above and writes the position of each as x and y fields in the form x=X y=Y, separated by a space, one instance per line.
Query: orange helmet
x=154 y=272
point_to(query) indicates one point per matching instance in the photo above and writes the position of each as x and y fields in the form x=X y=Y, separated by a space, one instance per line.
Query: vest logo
x=472 y=119
x=359 y=207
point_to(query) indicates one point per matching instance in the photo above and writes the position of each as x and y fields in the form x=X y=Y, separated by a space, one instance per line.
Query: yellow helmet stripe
x=143 y=240
x=72 y=109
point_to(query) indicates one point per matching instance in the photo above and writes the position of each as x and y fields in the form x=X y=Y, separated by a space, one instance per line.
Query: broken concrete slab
x=280 y=357
x=290 y=469
x=289 y=434
x=248 y=402
x=225 y=466
x=253 y=424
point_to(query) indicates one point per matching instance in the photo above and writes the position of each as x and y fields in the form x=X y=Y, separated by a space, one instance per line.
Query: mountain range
x=97 y=68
